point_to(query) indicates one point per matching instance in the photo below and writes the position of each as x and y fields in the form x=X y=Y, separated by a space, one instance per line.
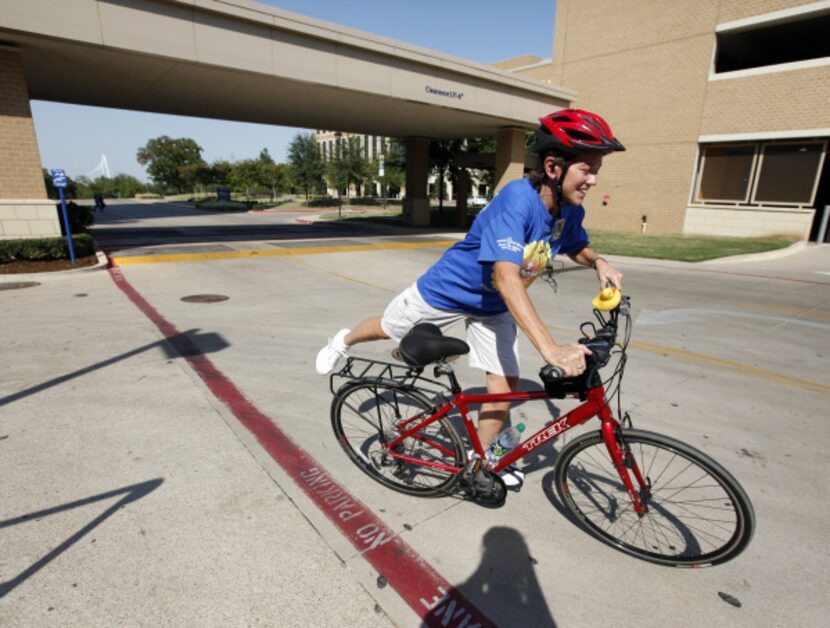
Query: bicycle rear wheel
x=368 y=415
x=696 y=512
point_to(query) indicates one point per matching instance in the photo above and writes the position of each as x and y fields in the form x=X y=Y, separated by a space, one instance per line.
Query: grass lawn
x=361 y=212
x=684 y=248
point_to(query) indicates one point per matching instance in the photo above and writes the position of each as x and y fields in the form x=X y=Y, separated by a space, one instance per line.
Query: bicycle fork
x=625 y=463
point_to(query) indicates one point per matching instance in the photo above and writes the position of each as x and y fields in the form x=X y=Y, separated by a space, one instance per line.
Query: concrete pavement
x=126 y=496
x=132 y=494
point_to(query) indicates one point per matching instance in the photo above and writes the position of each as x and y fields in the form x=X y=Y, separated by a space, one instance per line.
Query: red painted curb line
x=435 y=601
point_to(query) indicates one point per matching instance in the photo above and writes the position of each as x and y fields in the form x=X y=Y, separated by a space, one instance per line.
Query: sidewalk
x=127 y=499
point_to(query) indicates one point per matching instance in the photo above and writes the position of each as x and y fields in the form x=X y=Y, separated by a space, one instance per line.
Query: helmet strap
x=558 y=187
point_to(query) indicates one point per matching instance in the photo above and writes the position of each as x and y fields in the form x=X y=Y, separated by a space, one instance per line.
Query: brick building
x=24 y=209
x=724 y=108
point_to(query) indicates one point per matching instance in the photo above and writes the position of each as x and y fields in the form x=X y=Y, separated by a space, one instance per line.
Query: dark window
x=726 y=172
x=771 y=44
x=788 y=173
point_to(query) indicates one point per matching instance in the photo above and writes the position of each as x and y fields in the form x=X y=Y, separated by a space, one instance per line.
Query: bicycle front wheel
x=696 y=512
x=367 y=416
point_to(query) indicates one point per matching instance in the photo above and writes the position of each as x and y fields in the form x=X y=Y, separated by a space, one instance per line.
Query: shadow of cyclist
x=504 y=587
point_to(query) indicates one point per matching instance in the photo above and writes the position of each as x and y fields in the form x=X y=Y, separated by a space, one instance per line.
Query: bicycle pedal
x=486 y=489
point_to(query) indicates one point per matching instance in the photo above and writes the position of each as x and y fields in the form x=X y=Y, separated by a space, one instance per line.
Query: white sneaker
x=329 y=356
x=511 y=476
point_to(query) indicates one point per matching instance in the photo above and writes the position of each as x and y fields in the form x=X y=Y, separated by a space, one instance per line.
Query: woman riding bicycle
x=483 y=279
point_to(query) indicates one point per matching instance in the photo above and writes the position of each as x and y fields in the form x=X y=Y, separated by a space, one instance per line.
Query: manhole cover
x=17 y=285
x=204 y=298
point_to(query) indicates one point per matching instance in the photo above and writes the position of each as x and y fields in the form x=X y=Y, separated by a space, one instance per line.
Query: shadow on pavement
x=185 y=344
x=131 y=494
x=503 y=586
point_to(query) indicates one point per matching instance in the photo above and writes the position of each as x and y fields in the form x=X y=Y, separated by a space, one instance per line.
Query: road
x=731 y=357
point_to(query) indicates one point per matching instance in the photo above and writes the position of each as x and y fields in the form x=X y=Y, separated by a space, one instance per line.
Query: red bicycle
x=643 y=493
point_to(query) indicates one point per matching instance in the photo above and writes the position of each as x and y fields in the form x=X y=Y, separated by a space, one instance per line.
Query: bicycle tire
x=364 y=416
x=712 y=523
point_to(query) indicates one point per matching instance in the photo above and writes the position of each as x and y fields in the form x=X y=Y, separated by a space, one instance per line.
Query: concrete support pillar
x=462 y=190
x=510 y=156
x=25 y=210
x=416 y=203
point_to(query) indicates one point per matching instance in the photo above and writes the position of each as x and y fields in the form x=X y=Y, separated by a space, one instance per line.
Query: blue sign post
x=59 y=181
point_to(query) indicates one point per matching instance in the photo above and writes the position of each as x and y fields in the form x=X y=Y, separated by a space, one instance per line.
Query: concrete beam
x=245 y=61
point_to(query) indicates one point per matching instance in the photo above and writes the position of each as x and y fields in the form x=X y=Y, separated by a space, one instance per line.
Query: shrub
x=323 y=202
x=233 y=206
x=80 y=218
x=45 y=248
x=374 y=201
x=271 y=205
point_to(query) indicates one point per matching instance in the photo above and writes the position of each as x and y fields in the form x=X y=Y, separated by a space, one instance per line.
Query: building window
x=787 y=173
x=760 y=173
x=797 y=38
x=725 y=172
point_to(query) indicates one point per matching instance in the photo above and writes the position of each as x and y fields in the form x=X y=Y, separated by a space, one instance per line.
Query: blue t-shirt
x=515 y=227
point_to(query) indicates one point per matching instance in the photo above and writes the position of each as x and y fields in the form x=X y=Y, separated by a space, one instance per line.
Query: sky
x=74 y=137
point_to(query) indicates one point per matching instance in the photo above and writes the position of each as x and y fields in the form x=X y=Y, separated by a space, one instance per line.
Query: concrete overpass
x=238 y=60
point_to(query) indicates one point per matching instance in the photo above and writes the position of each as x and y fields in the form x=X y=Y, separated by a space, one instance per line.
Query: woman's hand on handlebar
x=607 y=274
x=569 y=358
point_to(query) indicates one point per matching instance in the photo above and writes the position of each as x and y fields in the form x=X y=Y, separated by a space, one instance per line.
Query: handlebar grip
x=551 y=373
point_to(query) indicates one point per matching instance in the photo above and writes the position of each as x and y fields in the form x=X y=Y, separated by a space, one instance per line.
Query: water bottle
x=502 y=444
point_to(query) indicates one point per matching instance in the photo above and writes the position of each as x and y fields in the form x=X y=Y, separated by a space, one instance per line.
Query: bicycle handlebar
x=600 y=345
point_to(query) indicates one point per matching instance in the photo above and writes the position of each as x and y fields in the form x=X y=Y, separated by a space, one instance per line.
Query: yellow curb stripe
x=728 y=365
x=312 y=250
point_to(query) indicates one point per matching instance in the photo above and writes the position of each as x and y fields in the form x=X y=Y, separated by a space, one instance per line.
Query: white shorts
x=493 y=340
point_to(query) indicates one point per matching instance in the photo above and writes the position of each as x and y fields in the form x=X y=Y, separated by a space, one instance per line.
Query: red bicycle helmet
x=574 y=131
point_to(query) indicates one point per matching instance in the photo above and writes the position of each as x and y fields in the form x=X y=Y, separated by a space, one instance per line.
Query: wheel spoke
x=367 y=419
x=694 y=513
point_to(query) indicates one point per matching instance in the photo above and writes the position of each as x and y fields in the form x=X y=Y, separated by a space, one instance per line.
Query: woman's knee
x=501 y=383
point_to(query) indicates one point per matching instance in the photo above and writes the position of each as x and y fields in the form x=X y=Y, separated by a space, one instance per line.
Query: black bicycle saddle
x=425 y=344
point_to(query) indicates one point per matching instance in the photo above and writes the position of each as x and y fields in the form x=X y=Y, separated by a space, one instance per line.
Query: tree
x=306 y=164
x=167 y=160
x=197 y=174
x=245 y=175
x=485 y=145
x=442 y=162
x=394 y=170
x=220 y=172
x=85 y=187
x=273 y=177
x=348 y=167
